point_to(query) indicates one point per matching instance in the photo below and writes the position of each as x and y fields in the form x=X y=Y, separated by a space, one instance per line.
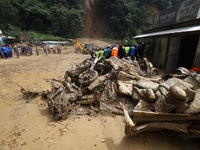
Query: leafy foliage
x=54 y=16
x=64 y=18
x=127 y=18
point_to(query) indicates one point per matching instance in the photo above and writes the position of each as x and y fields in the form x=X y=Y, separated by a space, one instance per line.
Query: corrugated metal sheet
x=172 y=31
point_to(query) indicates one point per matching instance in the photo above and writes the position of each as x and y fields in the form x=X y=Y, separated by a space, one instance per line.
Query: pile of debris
x=132 y=88
x=101 y=84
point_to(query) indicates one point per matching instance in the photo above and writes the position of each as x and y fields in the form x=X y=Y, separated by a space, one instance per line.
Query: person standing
x=101 y=54
x=141 y=48
x=97 y=53
x=36 y=49
x=59 y=50
x=16 y=51
x=1 y=52
x=106 y=52
x=132 y=52
x=30 y=50
x=147 y=50
x=9 y=52
x=120 y=52
x=5 y=52
x=115 y=51
x=127 y=48
x=109 y=52
x=92 y=53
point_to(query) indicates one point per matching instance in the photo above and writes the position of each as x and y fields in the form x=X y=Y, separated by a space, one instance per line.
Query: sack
x=125 y=88
x=150 y=95
x=177 y=92
x=180 y=109
x=194 y=106
x=161 y=105
x=178 y=82
x=142 y=106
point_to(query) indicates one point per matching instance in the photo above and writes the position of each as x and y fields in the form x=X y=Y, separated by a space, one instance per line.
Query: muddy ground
x=28 y=125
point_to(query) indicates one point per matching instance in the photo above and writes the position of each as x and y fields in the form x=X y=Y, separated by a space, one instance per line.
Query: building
x=177 y=32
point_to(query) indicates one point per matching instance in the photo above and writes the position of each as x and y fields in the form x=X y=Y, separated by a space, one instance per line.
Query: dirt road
x=28 y=125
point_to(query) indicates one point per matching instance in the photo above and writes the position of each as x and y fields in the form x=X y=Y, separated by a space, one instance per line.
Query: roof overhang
x=171 y=31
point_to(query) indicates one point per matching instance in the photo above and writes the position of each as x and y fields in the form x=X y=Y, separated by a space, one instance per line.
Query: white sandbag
x=181 y=108
x=161 y=105
x=177 y=92
x=150 y=95
x=139 y=94
x=145 y=83
x=194 y=106
x=142 y=106
x=123 y=76
x=178 y=82
x=157 y=93
x=190 y=94
x=125 y=88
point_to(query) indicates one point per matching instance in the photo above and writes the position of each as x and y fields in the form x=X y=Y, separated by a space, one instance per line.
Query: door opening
x=187 y=51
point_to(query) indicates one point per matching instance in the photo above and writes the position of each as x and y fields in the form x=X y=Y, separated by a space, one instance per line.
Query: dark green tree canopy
x=124 y=18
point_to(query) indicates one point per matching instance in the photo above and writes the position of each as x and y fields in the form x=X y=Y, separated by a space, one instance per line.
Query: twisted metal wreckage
x=132 y=88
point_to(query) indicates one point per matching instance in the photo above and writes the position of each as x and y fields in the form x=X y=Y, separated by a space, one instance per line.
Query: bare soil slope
x=92 y=20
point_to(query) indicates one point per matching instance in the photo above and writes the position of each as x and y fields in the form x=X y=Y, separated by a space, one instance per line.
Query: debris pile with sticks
x=130 y=88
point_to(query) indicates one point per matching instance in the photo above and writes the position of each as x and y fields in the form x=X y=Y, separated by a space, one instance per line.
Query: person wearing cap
x=16 y=51
x=115 y=51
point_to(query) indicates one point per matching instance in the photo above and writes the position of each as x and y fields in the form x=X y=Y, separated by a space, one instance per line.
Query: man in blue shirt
x=92 y=53
x=132 y=52
x=106 y=52
x=9 y=52
x=5 y=53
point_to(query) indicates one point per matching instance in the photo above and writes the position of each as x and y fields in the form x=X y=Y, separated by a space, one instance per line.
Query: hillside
x=79 y=18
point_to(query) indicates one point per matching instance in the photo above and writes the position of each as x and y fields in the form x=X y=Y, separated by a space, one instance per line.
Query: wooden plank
x=153 y=116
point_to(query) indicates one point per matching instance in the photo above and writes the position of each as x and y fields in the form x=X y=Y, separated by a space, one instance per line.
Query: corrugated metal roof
x=172 y=31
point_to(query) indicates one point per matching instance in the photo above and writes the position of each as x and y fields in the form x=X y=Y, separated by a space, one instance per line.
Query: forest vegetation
x=64 y=18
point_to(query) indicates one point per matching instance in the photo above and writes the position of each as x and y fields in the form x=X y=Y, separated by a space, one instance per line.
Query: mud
x=28 y=125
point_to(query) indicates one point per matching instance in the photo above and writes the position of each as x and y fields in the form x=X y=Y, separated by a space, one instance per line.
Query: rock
x=103 y=140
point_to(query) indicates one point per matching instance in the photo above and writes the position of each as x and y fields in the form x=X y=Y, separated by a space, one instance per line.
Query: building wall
x=160 y=52
x=196 y=62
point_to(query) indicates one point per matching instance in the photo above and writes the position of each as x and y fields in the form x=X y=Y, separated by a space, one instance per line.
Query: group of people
x=6 y=51
x=47 y=48
x=123 y=51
